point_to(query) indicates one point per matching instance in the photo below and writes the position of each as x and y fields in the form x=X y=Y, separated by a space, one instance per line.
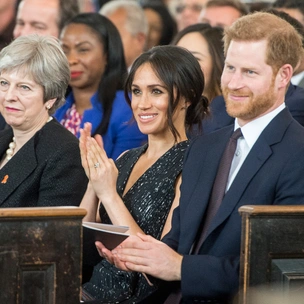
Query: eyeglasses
x=194 y=7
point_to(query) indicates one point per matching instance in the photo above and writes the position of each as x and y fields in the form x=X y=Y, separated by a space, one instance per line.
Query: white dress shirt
x=296 y=79
x=251 y=132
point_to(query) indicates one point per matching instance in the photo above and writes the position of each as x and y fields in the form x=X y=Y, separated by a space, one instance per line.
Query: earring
x=48 y=106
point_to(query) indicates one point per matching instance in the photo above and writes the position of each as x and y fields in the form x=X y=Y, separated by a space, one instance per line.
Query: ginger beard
x=254 y=106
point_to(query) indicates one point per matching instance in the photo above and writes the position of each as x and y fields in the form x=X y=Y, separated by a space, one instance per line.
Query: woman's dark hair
x=290 y=4
x=115 y=71
x=213 y=36
x=182 y=76
x=169 y=27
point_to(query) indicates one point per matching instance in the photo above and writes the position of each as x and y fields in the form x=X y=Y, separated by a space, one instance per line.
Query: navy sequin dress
x=149 y=201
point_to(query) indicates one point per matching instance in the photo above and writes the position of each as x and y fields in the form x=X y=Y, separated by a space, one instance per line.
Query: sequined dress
x=149 y=201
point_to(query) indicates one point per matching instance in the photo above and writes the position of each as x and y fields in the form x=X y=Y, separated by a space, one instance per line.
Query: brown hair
x=284 y=42
x=214 y=38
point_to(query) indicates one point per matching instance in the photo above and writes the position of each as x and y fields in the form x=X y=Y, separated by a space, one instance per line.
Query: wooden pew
x=272 y=253
x=40 y=255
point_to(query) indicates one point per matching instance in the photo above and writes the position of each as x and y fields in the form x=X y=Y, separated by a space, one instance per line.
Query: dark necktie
x=219 y=186
x=218 y=192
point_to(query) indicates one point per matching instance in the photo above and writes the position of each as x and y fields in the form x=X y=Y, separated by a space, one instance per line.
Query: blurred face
x=133 y=45
x=249 y=86
x=187 y=12
x=7 y=12
x=155 y=28
x=37 y=16
x=85 y=54
x=4 y=4
x=21 y=101
x=221 y=16
x=198 y=46
x=150 y=100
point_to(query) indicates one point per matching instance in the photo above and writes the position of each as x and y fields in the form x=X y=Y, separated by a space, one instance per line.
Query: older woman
x=39 y=159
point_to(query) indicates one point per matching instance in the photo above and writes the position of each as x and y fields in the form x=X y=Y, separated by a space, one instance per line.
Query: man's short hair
x=236 y=4
x=284 y=43
x=136 y=21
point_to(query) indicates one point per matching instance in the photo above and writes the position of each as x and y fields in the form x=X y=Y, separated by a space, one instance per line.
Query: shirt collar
x=296 y=79
x=253 y=129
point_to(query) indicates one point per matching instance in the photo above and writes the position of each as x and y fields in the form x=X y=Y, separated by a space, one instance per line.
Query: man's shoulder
x=213 y=141
x=214 y=135
x=294 y=97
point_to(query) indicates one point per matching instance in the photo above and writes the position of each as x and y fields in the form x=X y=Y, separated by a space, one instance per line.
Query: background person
x=44 y=17
x=186 y=12
x=39 y=159
x=205 y=43
x=222 y=13
x=295 y=9
x=130 y=20
x=93 y=47
x=162 y=26
x=141 y=189
x=7 y=21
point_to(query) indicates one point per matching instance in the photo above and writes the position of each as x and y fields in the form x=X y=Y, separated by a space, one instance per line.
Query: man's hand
x=145 y=254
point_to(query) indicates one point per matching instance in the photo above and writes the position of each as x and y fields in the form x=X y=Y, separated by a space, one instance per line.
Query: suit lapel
x=254 y=161
x=204 y=175
x=258 y=155
x=16 y=171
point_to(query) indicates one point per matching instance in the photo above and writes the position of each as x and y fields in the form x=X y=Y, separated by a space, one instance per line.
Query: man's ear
x=141 y=37
x=284 y=75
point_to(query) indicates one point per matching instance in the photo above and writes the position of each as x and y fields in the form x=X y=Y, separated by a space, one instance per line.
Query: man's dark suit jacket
x=46 y=171
x=271 y=174
x=219 y=118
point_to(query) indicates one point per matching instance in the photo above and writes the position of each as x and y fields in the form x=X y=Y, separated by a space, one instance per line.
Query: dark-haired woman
x=94 y=50
x=162 y=26
x=141 y=189
x=205 y=43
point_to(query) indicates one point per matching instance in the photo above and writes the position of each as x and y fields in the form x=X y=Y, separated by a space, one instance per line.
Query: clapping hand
x=100 y=169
